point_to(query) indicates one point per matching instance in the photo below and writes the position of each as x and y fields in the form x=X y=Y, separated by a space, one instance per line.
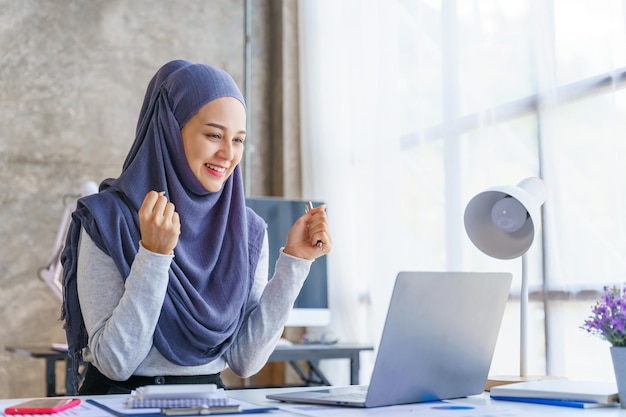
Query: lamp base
x=494 y=381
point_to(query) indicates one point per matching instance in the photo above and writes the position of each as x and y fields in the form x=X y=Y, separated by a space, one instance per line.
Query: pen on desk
x=202 y=410
x=307 y=207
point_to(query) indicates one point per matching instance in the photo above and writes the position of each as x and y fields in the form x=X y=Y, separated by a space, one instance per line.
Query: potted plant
x=608 y=320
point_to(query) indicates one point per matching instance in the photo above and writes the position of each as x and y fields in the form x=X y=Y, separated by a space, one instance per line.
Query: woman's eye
x=239 y=140
x=214 y=136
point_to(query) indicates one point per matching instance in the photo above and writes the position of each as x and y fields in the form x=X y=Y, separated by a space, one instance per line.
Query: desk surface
x=38 y=351
x=281 y=353
x=482 y=407
x=317 y=351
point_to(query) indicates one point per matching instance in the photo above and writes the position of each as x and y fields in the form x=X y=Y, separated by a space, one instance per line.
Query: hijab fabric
x=220 y=242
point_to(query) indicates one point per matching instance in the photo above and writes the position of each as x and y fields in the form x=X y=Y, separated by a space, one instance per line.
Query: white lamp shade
x=493 y=240
x=88 y=188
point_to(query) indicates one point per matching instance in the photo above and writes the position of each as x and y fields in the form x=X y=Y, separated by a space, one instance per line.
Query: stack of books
x=560 y=392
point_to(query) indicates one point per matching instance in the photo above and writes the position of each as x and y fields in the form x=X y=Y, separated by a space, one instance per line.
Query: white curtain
x=410 y=108
x=352 y=128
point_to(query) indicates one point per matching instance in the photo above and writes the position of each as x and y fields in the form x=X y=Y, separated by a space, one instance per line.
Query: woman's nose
x=226 y=150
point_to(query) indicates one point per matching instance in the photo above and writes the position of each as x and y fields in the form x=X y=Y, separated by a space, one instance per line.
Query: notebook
x=178 y=396
x=558 y=389
x=437 y=342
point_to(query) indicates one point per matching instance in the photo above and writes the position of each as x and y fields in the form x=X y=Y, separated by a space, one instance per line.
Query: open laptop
x=437 y=342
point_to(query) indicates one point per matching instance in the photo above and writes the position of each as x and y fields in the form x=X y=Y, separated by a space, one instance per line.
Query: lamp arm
x=523 y=338
x=50 y=274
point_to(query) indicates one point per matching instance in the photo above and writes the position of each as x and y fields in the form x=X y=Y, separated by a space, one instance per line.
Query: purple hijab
x=220 y=242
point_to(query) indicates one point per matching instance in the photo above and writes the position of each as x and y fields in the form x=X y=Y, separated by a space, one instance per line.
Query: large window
x=410 y=108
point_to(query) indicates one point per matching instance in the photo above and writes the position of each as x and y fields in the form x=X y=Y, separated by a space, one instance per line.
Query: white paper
x=429 y=409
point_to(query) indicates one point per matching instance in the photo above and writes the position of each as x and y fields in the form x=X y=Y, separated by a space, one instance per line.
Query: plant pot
x=618 y=355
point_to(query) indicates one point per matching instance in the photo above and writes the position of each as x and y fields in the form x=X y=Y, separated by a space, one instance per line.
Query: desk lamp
x=51 y=274
x=501 y=222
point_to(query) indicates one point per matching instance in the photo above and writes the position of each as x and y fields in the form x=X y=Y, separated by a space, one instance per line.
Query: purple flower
x=608 y=318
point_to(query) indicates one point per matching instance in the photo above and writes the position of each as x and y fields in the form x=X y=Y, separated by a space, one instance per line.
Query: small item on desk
x=561 y=392
x=59 y=347
x=282 y=342
x=191 y=397
x=47 y=405
x=315 y=338
x=308 y=206
x=202 y=410
x=151 y=392
x=560 y=403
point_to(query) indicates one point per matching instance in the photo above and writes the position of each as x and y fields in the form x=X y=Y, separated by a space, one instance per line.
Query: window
x=413 y=107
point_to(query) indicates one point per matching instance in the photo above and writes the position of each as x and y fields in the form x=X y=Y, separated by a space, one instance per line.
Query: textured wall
x=72 y=79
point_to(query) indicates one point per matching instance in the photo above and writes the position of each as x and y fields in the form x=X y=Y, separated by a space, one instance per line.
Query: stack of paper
x=177 y=396
x=563 y=392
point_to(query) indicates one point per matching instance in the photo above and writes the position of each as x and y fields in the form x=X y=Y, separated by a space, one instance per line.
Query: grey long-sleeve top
x=120 y=317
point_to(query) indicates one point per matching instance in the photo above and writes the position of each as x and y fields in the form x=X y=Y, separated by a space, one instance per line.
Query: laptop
x=437 y=342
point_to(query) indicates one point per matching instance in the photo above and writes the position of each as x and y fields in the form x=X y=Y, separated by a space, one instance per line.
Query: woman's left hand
x=309 y=237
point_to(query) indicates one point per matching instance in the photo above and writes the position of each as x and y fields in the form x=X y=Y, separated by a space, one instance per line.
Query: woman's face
x=213 y=141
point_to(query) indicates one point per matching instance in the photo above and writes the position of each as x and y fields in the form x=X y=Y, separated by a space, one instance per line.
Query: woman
x=165 y=269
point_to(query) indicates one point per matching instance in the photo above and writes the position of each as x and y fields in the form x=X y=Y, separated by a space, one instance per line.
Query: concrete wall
x=72 y=78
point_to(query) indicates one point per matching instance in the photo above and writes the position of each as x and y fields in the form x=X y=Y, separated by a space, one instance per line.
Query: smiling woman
x=94 y=61
x=165 y=268
x=213 y=140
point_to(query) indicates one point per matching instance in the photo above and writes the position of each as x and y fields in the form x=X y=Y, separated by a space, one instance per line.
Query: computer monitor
x=311 y=306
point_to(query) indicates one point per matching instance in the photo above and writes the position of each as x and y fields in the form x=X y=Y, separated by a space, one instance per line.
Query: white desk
x=484 y=407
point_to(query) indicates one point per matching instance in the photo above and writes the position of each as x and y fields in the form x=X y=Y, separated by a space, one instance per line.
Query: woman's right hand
x=159 y=224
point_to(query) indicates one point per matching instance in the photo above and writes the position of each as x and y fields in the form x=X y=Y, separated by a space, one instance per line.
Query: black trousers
x=95 y=383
